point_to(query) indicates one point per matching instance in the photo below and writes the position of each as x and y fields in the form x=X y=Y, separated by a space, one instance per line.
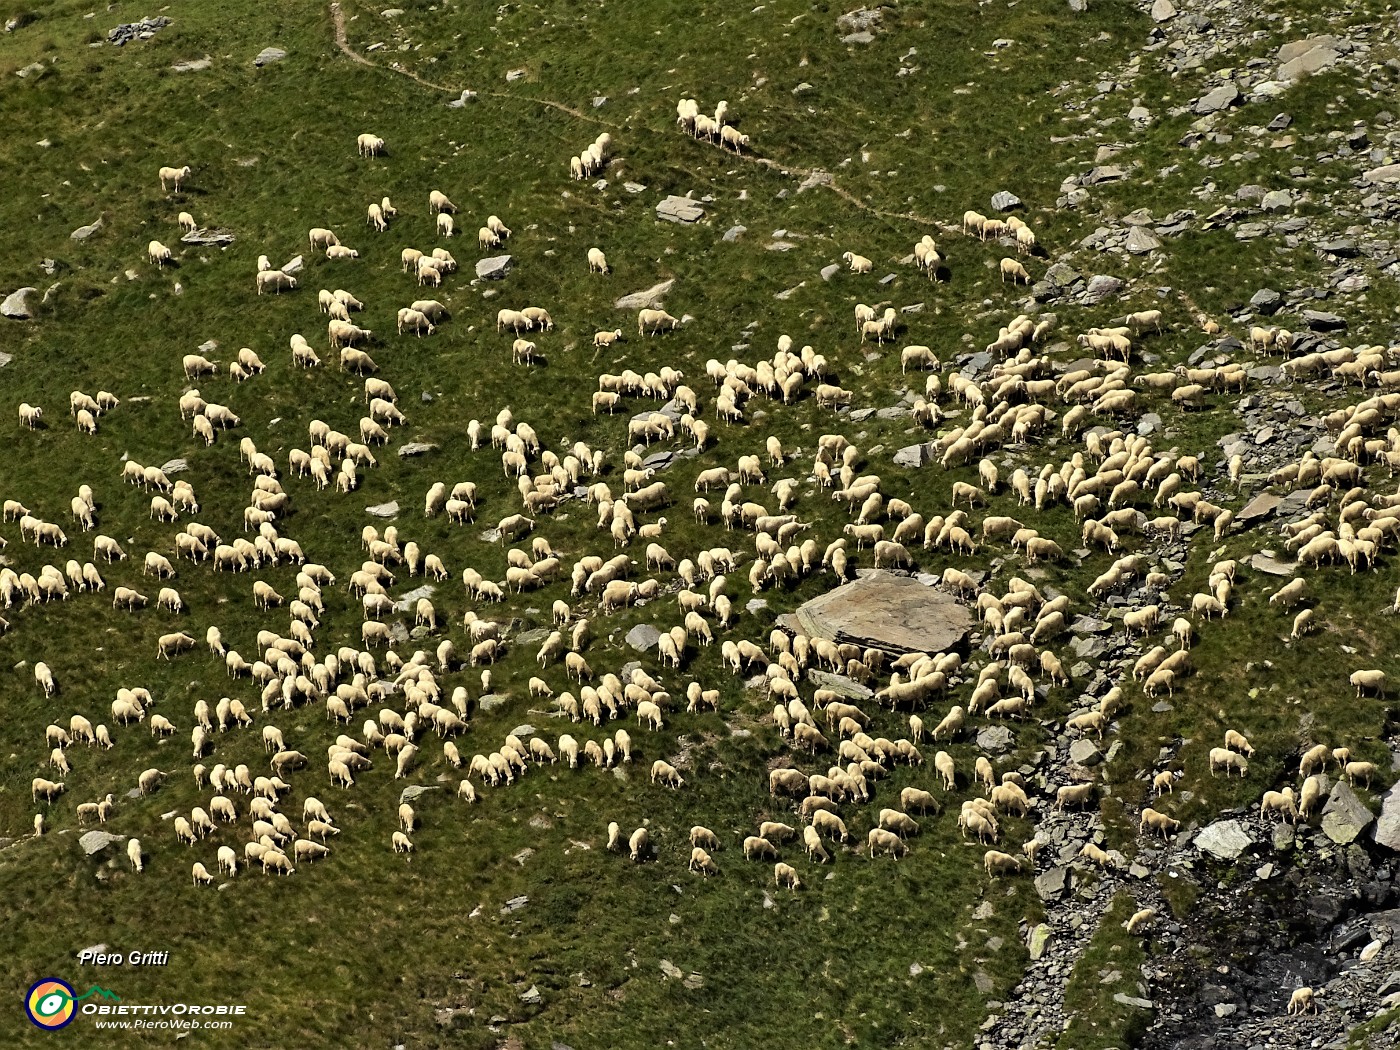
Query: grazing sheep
x=1303 y=1000
x=171 y=178
x=857 y=263
x=639 y=844
x=597 y=261
x=1012 y=268
x=133 y=854
x=370 y=145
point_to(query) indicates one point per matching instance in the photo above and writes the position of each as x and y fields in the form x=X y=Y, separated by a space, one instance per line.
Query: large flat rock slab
x=895 y=613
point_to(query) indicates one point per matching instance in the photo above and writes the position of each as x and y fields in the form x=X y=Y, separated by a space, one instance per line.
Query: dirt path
x=817 y=176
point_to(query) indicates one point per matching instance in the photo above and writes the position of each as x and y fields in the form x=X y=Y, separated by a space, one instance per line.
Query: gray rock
x=828 y=272
x=862 y=37
x=1004 y=200
x=679 y=209
x=1061 y=275
x=194 y=65
x=531 y=996
x=5 y=359
x=92 y=842
x=890 y=612
x=1277 y=200
x=82 y=233
x=1263 y=562
x=491 y=701
x=995 y=740
x=1385 y=173
x=642 y=637
x=1321 y=321
x=1224 y=840
x=644 y=300
x=847 y=688
x=515 y=74
x=1084 y=752
x=409 y=599
x=415 y=791
x=415 y=448
x=494 y=268
x=219 y=238
x=1387 y=831
x=383 y=510
x=293 y=266
x=1150 y=423
x=734 y=233
x=1124 y=999
x=1101 y=286
x=15 y=306
x=1261 y=506
x=1345 y=816
x=1039 y=941
x=1313 y=60
x=1223 y=97
x=1163 y=10
x=1052 y=883
x=914 y=455
x=1266 y=301
x=1140 y=241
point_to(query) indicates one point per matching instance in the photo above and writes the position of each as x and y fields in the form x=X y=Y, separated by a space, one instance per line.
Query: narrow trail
x=818 y=176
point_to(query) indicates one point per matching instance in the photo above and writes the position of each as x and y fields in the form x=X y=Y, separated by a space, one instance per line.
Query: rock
x=1345 y=816
x=828 y=272
x=175 y=466
x=1369 y=953
x=1101 y=286
x=531 y=996
x=415 y=791
x=1140 y=241
x=1150 y=423
x=15 y=306
x=671 y=970
x=643 y=300
x=515 y=74
x=1266 y=301
x=1277 y=200
x=1124 y=999
x=846 y=688
x=383 y=510
x=914 y=455
x=1061 y=275
x=679 y=209
x=1387 y=831
x=494 y=268
x=92 y=842
x=1084 y=752
x=1321 y=321
x=1223 y=97
x=1039 y=940
x=1224 y=840
x=82 y=233
x=642 y=637
x=293 y=266
x=219 y=238
x=268 y=55
x=1266 y=562
x=889 y=612
x=995 y=740
x=5 y=359
x=142 y=30
x=194 y=65
x=409 y=599
x=1307 y=56
x=1163 y=10
x=1385 y=173
x=1052 y=883
x=858 y=38
x=415 y=448
x=1004 y=200
x=1261 y=506
x=31 y=70
x=734 y=233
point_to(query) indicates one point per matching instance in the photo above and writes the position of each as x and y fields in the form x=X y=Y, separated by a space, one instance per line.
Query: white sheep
x=445 y=225
x=370 y=145
x=186 y=222
x=857 y=263
x=597 y=261
x=438 y=203
x=1013 y=269
x=173 y=176
x=158 y=253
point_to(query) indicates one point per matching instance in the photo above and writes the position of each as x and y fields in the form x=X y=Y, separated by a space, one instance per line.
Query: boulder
x=1385 y=173
x=1004 y=200
x=846 y=688
x=384 y=510
x=679 y=209
x=15 y=306
x=1224 y=840
x=1051 y=884
x=415 y=791
x=1084 y=752
x=1163 y=10
x=268 y=55
x=643 y=637
x=914 y=455
x=93 y=842
x=889 y=612
x=1345 y=816
x=995 y=740
x=1223 y=97
x=494 y=268
x=646 y=299
x=415 y=448
x=1387 y=831
x=1261 y=506
x=1140 y=241
x=82 y=233
x=218 y=238
x=1039 y=940
x=193 y=65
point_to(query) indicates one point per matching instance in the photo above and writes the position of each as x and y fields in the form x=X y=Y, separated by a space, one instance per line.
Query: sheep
x=276 y=282
x=438 y=203
x=997 y=863
x=887 y=842
x=638 y=845
x=655 y=320
x=597 y=261
x=1303 y=1000
x=370 y=145
x=1151 y=818
x=173 y=176
x=1371 y=681
x=1013 y=268
x=857 y=263
x=133 y=854
x=1139 y=920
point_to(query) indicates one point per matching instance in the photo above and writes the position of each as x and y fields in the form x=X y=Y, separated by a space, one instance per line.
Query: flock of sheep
x=416 y=710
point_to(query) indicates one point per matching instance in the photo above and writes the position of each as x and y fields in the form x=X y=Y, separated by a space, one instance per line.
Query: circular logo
x=50 y=1004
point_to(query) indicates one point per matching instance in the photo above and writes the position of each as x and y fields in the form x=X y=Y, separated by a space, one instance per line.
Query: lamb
x=438 y=203
x=174 y=177
x=785 y=875
x=339 y=251
x=1279 y=802
x=1140 y=920
x=729 y=136
x=1151 y=818
x=445 y=225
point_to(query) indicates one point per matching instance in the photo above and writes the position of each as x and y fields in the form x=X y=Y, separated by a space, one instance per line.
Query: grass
x=1109 y=965
x=418 y=950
